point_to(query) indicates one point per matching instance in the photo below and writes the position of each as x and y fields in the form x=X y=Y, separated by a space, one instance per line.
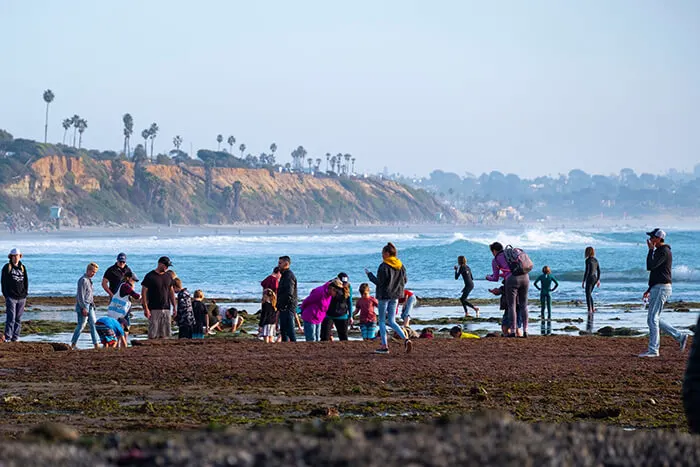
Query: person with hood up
x=390 y=281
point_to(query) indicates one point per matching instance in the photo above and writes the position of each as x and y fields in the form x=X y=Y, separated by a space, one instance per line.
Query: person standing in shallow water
x=465 y=272
x=390 y=281
x=546 y=289
x=591 y=279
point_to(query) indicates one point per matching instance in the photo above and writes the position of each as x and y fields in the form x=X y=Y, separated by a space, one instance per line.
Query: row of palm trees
x=79 y=126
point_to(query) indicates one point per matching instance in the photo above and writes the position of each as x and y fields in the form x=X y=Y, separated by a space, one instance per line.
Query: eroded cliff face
x=52 y=173
x=98 y=191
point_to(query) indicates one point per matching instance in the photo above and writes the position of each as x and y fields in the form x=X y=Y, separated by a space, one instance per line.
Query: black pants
x=463 y=299
x=341 y=325
x=184 y=331
x=590 y=285
x=691 y=385
x=287 y=329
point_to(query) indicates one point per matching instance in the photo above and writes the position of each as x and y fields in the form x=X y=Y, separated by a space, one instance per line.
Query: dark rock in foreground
x=482 y=439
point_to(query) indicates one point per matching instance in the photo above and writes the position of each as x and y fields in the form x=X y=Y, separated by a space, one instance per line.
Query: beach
x=535 y=401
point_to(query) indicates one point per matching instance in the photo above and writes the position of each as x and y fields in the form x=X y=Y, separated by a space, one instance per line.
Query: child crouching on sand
x=201 y=317
x=185 y=312
x=233 y=320
x=268 y=316
x=368 y=317
x=112 y=331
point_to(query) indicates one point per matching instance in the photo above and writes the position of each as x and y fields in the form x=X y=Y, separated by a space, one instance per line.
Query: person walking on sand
x=465 y=272
x=15 y=286
x=407 y=301
x=114 y=275
x=85 y=306
x=659 y=264
x=591 y=279
x=157 y=296
x=390 y=281
x=546 y=280
x=287 y=300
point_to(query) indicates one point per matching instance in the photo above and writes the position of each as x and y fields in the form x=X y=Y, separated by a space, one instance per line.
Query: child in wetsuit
x=546 y=289
x=464 y=271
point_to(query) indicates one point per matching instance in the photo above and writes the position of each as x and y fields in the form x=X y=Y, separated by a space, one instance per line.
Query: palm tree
x=328 y=158
x=242 y=149
x=231 y=141
x=145 y=135
x=82 y=126
x=152 y=133
x=75 y=119
x=347 y=162
x=48 y=98
x=309 y=161
x=318 y=164
x=339 y=161
x=273 y=148
x=128 y=131
x=353 y=165
x=333 y=164
x=67 y=123
x=177 y=142
x=219 y=139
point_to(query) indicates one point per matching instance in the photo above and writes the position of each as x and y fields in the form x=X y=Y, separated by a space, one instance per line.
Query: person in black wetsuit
x=466 y=273
x=591 y=279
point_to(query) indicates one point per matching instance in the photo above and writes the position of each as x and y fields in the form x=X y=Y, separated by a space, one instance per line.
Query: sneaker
x=648 y=354
x=683 y=342
x=382 y=351
x=524 y=335
x=407 y=346
x=212 y=333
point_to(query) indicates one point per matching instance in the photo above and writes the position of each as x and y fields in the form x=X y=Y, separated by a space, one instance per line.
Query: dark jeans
x=13 y=320
x=341 y=325
x=287 y=326
x=463 y=299
x=516 y=294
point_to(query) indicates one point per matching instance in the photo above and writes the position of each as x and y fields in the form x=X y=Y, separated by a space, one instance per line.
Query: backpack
x=338 y=307
x=518 y=261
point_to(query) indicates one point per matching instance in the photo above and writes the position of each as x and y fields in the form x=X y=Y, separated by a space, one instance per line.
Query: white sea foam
x=212 y=245
x=534 y=239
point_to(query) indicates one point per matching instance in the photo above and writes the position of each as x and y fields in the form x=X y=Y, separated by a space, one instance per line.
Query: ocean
x=232 y=265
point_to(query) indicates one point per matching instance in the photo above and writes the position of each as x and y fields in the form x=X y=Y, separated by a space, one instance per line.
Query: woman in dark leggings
x=591 y=279
x=466 y=273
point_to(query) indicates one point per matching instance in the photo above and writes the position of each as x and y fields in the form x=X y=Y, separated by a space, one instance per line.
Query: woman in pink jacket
x=315 y=306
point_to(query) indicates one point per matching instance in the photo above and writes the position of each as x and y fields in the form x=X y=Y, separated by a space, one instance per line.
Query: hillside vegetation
x=92 y=190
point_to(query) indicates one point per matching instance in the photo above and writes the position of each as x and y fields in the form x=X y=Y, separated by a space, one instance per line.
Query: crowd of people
x=329 y=308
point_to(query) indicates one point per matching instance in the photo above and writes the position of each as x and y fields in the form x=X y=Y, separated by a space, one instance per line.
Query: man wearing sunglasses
x=114 y=275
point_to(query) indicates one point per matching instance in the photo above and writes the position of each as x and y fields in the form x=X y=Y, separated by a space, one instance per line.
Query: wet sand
x=177 y=385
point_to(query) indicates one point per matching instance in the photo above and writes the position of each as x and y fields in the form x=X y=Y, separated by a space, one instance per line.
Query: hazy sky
x=529 y=87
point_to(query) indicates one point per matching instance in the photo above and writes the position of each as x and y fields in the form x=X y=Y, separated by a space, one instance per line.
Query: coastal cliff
x=93 y=191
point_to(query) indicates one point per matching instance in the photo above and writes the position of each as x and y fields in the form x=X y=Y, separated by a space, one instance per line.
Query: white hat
x=15 y=251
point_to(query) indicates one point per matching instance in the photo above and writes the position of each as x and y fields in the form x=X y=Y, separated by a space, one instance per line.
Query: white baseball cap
x=15 y=251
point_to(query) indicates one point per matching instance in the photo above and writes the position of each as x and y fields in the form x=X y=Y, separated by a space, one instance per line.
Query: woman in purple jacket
x=501 y=270
x=315 y=306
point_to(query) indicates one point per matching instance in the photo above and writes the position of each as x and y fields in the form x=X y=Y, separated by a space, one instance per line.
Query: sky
x=531 y=87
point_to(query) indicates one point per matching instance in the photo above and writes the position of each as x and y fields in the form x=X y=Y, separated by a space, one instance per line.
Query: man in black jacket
x=287 y=300
x=659 y=264
x=15 y=284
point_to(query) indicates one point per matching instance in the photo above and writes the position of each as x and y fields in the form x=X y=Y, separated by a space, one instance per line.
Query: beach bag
x=518 y=261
